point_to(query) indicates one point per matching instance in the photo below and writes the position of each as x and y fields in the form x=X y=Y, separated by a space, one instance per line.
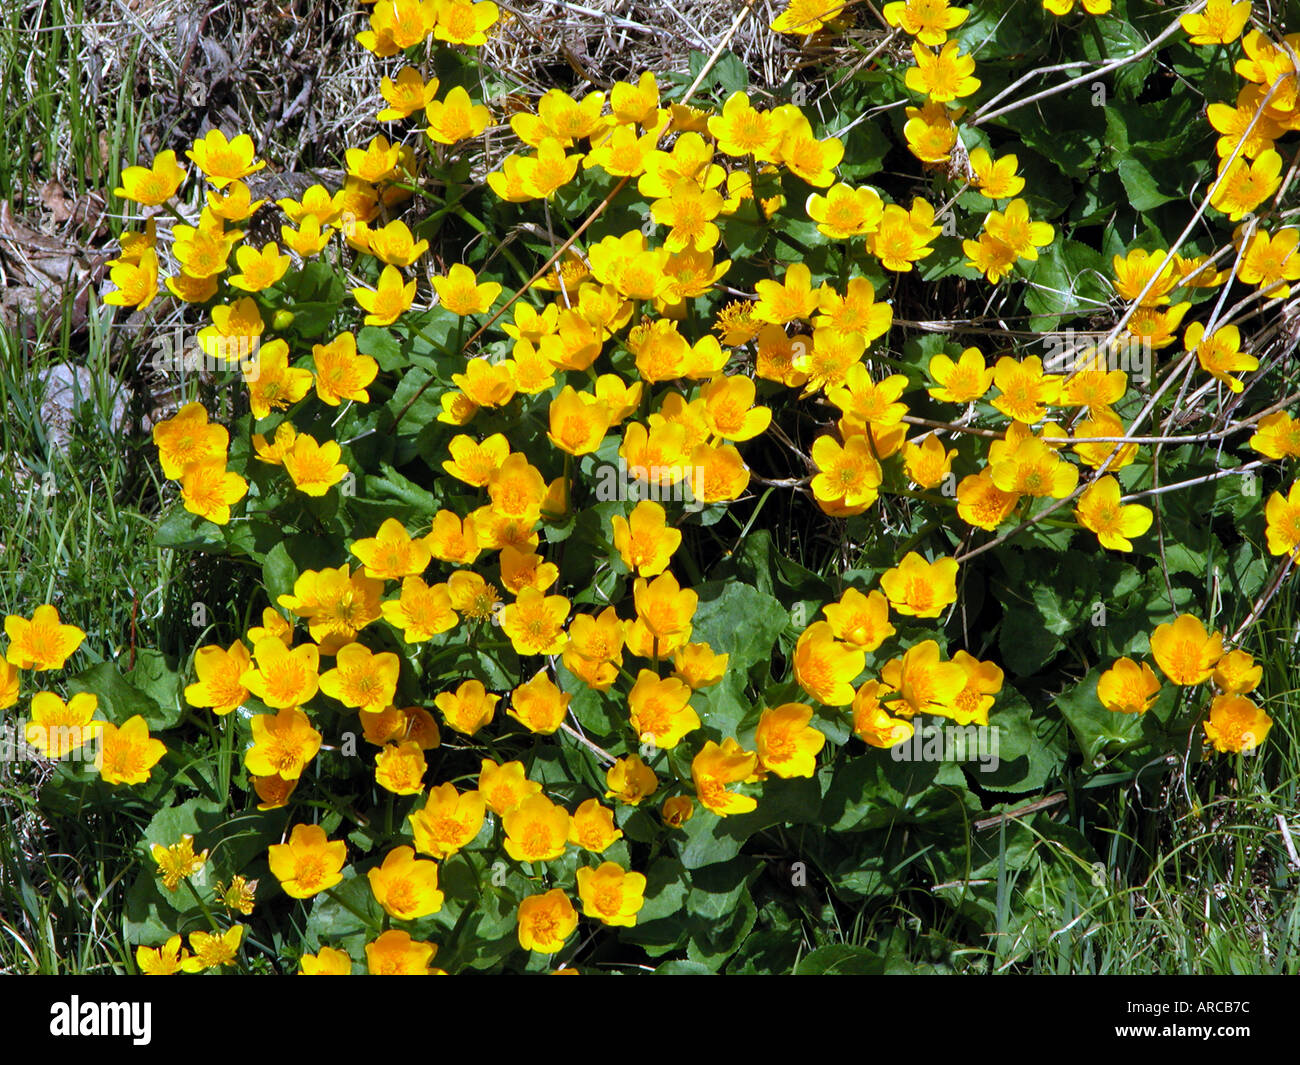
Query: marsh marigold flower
x=469 y=708
x=611 y=894
x=630 y=780
x=56 y=728
x=448 y=821
x=1236 y=724
x=405 y=886
x=41 y=643
x=826 y=668
x=546 y=921
x=786 y=741
x=1099 y=509
x=504 y=787
x=177 y=862
x=212 y=950
x=167 y=960
x=395 y=953
x=714 y=768
x=1185 y=652
x=328 y=961
x=537 y=830
x=919 y=588
x=284 y=744
x=1128 y=687
x=128 y=754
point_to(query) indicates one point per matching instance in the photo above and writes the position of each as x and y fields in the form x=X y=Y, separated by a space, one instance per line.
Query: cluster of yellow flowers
x=125 y=754
x=1188 y=655
x=633 y=291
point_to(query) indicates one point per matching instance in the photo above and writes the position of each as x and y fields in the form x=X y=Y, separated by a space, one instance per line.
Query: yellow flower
x=128 y=754
x=1014 y=229
x=845 y=212
x=239 y=895
x=989 y=256
x=272 y=383
x=578 y=421
x=611 y=894
x=660 y=710
x=1278 y=436
x=405 y=886
x=1035 y=469
x=1100 y=510
x=208 y=489
x=947 y=75
x=805 y=17
x=982 y=503
x=872 y=723
x=592 y=827
x=406 y=94
x=420 y=612
x=461 y=293
x=284 y=743
x=392 y=554
x=394 y=244
x=362 y=679
x=504 y=787
x=309 y=863
x=539 y=705
x=825 y=668
x=930 y=132
x=963 y=381
x=341 y=372
x=1283 y=517
x=309 y=239
x=927 y=20
x=328 y=961
x=283 y=678
x=785 y=301
x=644 y=539
x=848 y=475
x=546 y=921
x=630 y=780
x=177 y=862
x=8 y=683
x=903 y=236
x=42 y=643
x=224 y=161
x=388 y=300
x=152 y=185
x=996 y=178
x=137 y=283
x=57 y=728
x=314 y=468
x=1219 y=353
x=921 y=683
x=535 y=623
x=536 y=830
x=395 y=953
x=1127 y=687
x=469 y=708
x=212 y=951
x=1064 y=7
x=259 y=269
x=1220 y=22
x=921 y=589
x=717 y=766
x=1270 y=262
x=336 y=603
x=1246 y=184
x=1185 y=652
x=1236 y=673
x=861 y=621
x=698 y=667
x=677 y=810
x=787 y=744
x=741 y=129
x=220 y=685
x=1236 y=724
x=927 y=463
x=167 y=960
x=447 y=821
x=455 y=118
